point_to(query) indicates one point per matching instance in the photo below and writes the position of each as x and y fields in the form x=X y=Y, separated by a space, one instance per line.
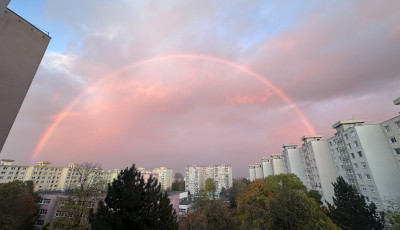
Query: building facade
x=22 y=47
x=196 y=176
x=272 y=165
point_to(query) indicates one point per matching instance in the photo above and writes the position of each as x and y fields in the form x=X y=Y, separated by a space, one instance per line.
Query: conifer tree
x=349 y=209
x=132 y=203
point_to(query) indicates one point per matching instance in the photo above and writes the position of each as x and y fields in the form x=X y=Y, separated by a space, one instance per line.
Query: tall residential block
x=319 y=169
x=164 y=177
x=272 y=165
x=364 y=156
x=293 y=163
x=196 y=176
x=22 y=47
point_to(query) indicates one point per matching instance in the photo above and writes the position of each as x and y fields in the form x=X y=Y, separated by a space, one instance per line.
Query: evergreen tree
x=349 y=209
x=132 y=203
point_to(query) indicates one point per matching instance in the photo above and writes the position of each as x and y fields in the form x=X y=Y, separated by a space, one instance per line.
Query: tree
x=88 y=189
x=314 y=194
x=210 y=187
x=349 y=209
x=18 y=208
x=393 y=213
x=133 y=203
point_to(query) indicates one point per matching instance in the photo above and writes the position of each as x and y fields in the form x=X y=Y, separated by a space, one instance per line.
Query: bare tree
x=87 y=185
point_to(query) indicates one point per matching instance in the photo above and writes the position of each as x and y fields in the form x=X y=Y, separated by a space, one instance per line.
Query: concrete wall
x=3 y=6
x=326 y=169
x=22 y=47
x=267 y=166
x=380 y=160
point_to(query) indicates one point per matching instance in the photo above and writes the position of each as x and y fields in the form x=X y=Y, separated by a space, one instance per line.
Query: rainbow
x=47 y=134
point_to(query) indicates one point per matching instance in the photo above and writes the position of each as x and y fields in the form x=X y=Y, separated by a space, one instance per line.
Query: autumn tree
x=87 y=187
x=349 y=209
x=281 y=202
x=133 y=203
x=18 y=208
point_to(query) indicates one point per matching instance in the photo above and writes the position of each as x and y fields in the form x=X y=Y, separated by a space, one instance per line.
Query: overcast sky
x=174 y=83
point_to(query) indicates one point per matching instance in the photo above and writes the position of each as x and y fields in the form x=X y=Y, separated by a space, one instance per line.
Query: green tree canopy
x=210 y=186
x=132 y=203
x=349 y=209
x=18 y=208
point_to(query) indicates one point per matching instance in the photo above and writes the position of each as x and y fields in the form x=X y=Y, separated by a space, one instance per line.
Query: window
x=1 y=178
x=352 y=155
x=12 y=168
x=398 y=124
x=364 y=165
x=368 y=176
x=392 y=139
x=4 y=167
x=352 y=134
x=9 y=178
x=10 y=173
x=39 y=223
x=355 y=144
x=359 y=176
x=349 y=146
x=3 y=172
x=364 y=189
x=397 y=150
x=33 y=178
x=359 y=153
x=356 y=165
x=346 y=137
x=44 y=201
x=42 y=212
x=372 y=188
x=387 y=128
x=330 y=143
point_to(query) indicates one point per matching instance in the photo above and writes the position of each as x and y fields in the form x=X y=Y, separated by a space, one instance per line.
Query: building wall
x=252 y=172
x=384 y=172
x=267 y=166
x=22 y=47
x=277 y=164
x=259 y=171
x=293 y=162
x=391 y=129
x=196 y=176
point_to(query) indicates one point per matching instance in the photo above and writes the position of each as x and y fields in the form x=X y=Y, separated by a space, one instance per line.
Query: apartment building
x=49 y=178
x=319 y=170
x=272 y=165
x=22 y=47
x=196 y=176
x=164 y=177
x=391 y=129
x=365 y=157
x=293 y=163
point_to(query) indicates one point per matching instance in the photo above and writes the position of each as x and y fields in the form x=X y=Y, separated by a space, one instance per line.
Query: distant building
x=269 y=166
x=293 y=162
x=22 y=47
x=164 y=177
x=196 y=176
x=46 y=177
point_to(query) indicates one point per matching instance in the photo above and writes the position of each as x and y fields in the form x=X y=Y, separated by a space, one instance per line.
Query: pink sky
x=335 y=61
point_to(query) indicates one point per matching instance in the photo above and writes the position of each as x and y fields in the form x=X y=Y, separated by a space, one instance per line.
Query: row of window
x=387 y=128
x=359 y=154
x=366 y=175
x=44 y=201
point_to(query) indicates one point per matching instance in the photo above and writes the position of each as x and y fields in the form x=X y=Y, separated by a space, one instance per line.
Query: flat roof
x=347 y=122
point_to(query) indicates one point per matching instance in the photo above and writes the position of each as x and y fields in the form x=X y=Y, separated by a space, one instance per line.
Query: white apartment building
x=319 y=169
x=363 y=156
x=293 y=163
x=252 y=171
x=272 y=165
x=196 y=176
x=267 y=166
x=391 y=129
